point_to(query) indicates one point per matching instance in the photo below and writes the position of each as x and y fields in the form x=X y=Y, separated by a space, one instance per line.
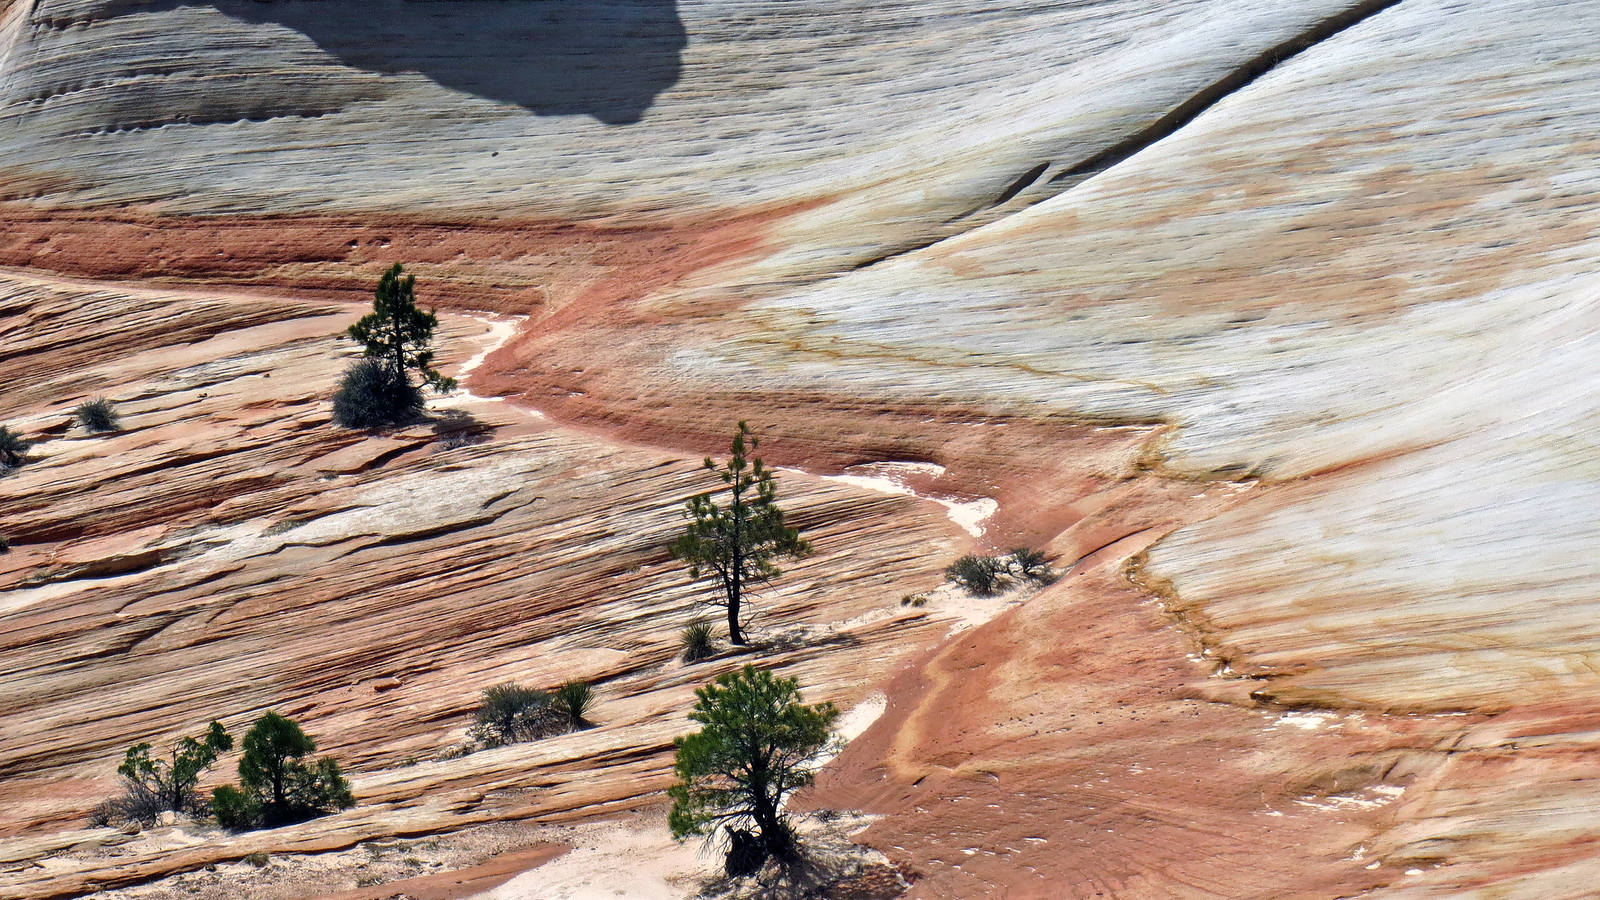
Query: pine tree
x=399 y=333
x=277 y=786
x=169 y=784
x=736 y=544
x=757 y=744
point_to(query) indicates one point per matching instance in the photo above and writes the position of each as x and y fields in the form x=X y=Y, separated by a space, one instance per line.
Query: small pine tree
x=276 y=785
x=757 y=744
x=399 y=333
x=737 y=544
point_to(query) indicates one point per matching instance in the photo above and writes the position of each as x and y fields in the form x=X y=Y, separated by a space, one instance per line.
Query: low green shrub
x=1031 y=564
x=97 y=415
x=372 y=395
x=510 y=713
x=699 y=641
x=13 y=449
x=978 y=574
x=235 y=808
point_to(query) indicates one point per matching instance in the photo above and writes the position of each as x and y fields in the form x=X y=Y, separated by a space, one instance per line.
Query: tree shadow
x=456 y=428
x=604 y=58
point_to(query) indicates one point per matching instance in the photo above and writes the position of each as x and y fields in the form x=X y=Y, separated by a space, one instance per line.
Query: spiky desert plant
x=97 y=415
x=699 y=641
x=574 y=700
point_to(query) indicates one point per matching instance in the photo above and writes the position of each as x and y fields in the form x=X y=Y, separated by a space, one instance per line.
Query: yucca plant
x=97 y=415
x=699 y=641
x=13 y=449
x=574 y=700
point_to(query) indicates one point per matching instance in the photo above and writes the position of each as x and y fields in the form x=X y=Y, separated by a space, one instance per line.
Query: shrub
x=1031 y=564
x=276 y=786
x=510 y=713
x=134 y=805
x=97 y=415
x=259 y=859
x=5 y=544
x=235 y=808
x=757 y=744
x=371 y=395
x=574 y=700
x=154 y=786
x=698 y=641
x=978 y=574
x=13 y=449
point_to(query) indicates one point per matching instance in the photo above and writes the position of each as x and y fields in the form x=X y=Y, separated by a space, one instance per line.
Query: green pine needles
x=757 y=744
x=736 y=544
x=155 y=785
x=397 y=338
x=278 y=785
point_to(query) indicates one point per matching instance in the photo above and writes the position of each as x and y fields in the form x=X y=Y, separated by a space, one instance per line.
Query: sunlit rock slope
x=1276 y=323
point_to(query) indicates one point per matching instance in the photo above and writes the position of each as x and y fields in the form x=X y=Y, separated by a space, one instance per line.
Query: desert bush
x=259 y=859
x=978 y=574
x=277 y=786
x=5 y=544
x=97 y=415
x=699 y=642
x=574 y=700
x=372 y=394
x=510 y=713
x=1031 y=564
x=133 y=805
x=156 y=785
x=235 y=808
x=13 y=449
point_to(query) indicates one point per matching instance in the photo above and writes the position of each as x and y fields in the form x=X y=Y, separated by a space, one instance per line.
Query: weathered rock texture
x=1297 y=369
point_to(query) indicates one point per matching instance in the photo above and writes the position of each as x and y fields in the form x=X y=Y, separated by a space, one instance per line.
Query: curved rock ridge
x=903 y=120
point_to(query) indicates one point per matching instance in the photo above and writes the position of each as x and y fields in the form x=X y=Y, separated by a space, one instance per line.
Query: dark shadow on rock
x=604 y=58
x=455 y=428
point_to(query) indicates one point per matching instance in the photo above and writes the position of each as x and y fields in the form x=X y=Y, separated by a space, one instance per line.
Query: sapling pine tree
x=398 y=335
x=277 y=785
x=736 y=544
x=757 y=744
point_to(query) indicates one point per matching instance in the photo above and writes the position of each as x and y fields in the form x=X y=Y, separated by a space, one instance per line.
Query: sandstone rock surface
x=1276 y=323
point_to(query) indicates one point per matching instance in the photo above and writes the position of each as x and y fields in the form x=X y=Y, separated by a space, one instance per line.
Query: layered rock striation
x=1275 y=322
